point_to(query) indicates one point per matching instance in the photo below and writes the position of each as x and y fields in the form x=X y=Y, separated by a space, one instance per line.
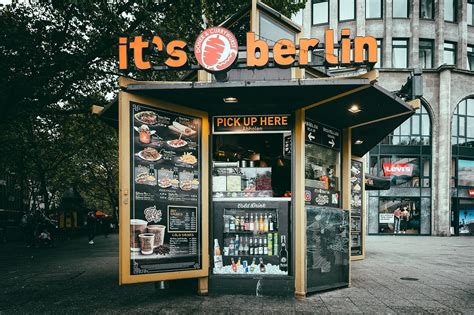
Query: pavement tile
x=375 y=309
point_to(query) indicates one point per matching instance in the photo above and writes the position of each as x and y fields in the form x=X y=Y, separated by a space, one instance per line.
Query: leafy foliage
x=60 y=57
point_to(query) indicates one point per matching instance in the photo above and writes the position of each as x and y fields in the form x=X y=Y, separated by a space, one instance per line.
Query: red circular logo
x=216 y=48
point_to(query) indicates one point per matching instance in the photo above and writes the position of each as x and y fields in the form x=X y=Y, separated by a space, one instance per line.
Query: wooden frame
x=362 y=211
x=346 y=183
x=299 y=213
x=125 y=198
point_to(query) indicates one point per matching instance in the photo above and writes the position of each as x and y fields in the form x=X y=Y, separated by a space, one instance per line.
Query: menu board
x=166 y=188
x=356 y=207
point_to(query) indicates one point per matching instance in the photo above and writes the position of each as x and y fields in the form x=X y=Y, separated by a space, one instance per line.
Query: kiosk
x=247 y=184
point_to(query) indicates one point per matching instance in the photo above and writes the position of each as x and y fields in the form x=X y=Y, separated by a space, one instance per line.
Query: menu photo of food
x=149 y=154
x=182 y=129
x=177 y=143
x=145 y=175
x=187 y=158
x=146 y=117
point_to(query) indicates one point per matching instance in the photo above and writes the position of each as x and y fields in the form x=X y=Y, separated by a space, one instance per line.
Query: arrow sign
x=321 y=134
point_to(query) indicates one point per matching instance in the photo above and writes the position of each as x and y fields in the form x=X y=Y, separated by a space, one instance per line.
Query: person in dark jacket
x=91 y=226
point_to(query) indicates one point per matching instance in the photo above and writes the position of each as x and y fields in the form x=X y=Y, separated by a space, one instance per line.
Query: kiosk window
x=322 y=174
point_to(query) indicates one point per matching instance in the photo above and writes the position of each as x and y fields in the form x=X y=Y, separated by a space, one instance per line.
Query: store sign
x=386 y=218
x=216 y=49
x=320 y=134
x=471 y=192
x=251 y=123
x=165 y=209
x=398 y=169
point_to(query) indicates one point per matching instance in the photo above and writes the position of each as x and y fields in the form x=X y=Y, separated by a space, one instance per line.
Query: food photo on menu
x=163 y=219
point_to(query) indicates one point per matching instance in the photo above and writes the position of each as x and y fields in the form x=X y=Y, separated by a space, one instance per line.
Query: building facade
x=430 y=158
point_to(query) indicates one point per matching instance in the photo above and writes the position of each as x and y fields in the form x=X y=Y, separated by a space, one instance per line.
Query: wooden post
x=346 y=183
x=299 y=206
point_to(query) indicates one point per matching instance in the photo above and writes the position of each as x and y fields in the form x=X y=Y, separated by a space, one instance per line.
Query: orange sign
x=216 y=49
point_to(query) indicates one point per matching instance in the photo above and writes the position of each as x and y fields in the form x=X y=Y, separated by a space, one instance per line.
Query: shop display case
x=253 y=235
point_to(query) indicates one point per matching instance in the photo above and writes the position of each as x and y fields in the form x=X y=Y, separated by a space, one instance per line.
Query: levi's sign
x=216 y=49
x=397 y=169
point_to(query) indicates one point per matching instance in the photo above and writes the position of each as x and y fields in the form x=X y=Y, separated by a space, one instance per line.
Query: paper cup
x=137 y=227
x=159 y=232
x=146 y=241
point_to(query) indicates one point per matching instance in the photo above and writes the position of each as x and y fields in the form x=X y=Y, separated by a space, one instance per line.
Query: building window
x=427 y=9
x=400 y=9
x=414 y=131
x=272 y=31
x=379 y=63
x=400 y=53
x=465 y=173
x=408 y=209
x=346 y=10
x=470 y=57
x=450 y=10
x=373 y=9
x=426 y=53
x=320 y=11
x=470 y=12
x=462 y=129
x=449 y=53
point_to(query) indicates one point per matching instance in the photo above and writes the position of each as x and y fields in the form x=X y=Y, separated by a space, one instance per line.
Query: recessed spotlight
x=354 y=109
x=358 y=141
x=230 y=99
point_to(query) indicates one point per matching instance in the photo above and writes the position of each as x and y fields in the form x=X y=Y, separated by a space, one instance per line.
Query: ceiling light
x=230 y=99
x=354 y=109
x=358 y=141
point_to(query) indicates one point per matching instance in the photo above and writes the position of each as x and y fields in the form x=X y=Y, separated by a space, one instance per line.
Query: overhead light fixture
x=354 y=109
x=230 y=99
x=358 y=141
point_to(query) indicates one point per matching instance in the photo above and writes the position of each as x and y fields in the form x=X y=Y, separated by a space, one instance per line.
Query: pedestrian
x=91 y=226
x=397 y=214
x=105 y=222
x=405 y=217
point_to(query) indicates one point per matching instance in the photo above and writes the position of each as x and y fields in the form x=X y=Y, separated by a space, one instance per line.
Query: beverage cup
x=146 y=241
x=137 y=227
x=159 y=232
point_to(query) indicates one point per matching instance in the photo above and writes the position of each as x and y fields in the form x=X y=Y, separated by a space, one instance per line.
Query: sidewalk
x=76 y=277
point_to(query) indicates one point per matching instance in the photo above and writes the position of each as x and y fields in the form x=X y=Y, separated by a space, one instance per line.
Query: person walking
x=405 y=218
x=91 y=226
x=397 y=216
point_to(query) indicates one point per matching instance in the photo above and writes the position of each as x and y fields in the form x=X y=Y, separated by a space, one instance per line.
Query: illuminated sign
x=397 y=169
x=250 y=123
x=216 y=49
x=471 y=192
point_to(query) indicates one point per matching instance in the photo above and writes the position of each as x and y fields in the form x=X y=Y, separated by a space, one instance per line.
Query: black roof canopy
x=325 y=100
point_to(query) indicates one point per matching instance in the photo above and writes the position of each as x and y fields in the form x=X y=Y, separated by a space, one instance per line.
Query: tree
x=59 y=58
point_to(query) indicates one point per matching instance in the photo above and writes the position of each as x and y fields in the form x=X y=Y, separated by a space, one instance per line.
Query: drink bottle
x=217 y=255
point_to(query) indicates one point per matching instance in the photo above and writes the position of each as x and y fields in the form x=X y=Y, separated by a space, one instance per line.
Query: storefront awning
x=326 y=100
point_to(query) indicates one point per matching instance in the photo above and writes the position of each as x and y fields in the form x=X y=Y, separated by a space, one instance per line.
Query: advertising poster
x=386 y=218
x=165 y=213
x=466 y=222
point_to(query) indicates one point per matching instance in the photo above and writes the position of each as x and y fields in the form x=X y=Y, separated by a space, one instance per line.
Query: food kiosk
x=247 y=183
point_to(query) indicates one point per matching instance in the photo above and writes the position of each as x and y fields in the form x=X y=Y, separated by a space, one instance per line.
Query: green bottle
x=270 y=244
